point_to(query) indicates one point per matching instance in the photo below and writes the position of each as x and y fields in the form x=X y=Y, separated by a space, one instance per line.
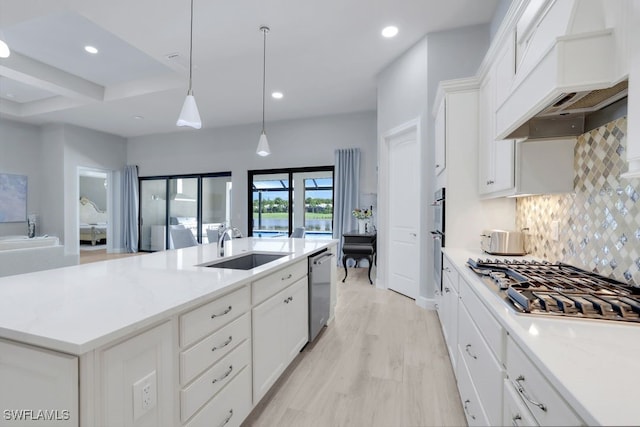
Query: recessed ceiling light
x=138 y=117
x=277 y=95
x=91 y=49
x=389 y=31
x=10 y=95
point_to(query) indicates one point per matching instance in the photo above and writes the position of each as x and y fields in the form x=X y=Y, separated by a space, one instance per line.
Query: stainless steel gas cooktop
x=559 y=290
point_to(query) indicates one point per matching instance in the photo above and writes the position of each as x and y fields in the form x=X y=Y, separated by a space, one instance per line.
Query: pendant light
x=4 y=47
x=263 y=144
x=189 y=115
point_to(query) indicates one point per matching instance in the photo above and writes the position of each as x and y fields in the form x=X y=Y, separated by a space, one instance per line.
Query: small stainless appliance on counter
x=319 y=291
x=501 y=242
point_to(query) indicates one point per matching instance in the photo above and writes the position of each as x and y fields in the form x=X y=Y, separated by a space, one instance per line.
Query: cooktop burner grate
x=559 y=289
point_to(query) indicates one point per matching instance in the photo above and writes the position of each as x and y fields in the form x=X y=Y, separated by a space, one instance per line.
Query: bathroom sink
x=245 y=262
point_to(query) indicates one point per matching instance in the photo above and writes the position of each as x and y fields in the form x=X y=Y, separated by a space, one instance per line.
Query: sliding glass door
x=195 y=202
x=285 y=199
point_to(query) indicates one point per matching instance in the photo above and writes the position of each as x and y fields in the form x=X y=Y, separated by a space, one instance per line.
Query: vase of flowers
x=363 y=216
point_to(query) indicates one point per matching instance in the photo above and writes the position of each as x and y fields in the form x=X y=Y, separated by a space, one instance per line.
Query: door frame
x=108 y=176
x=384 y=149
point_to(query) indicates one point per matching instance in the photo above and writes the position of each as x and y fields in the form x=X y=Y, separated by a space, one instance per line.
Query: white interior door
x=404 y=196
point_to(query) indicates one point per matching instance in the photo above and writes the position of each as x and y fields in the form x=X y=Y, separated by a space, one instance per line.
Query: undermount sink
x=245 y=262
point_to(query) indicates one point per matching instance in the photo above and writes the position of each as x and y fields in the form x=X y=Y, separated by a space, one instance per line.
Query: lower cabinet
x=280 y=330
x=448 y=310
x=535 y=393
x=37 y=386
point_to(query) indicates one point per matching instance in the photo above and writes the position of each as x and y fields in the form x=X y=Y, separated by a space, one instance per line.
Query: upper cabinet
x=633 y=109
x=496 y=161
x=440 y=135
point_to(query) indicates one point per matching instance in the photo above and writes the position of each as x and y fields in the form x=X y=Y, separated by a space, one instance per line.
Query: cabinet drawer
x=213 y=380
x=450 y=272
x=209 y=317
x=204 y=354
x=275 y=282
x=469 y=396
x=542 y=399
x=485 y=371
x=515 y=412
x=487 y=324
x=230 y=407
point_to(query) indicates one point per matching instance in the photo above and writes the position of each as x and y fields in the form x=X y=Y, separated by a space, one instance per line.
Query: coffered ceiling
x=322 y=54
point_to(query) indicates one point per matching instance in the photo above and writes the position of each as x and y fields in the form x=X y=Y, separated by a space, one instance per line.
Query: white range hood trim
x=565 y=67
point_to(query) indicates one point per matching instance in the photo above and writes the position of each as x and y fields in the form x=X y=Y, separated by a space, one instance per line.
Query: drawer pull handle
x=287 y=277
x=469 y=353
x=447 y=290
x=515 y=419
x=466 y=403
x=288 y=300
x=524 y=394
x=213 y=316
x=447 y=269
x=226 y=421
x=226 y=343
x=226 y=374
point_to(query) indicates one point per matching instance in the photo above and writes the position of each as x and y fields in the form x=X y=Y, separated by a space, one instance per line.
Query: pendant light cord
x=264 y=70
x=190 y=92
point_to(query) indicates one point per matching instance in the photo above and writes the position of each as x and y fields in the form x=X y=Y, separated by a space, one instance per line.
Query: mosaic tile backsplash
x=599 y=223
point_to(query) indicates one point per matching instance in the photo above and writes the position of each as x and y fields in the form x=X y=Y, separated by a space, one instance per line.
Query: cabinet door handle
x=466 y=403
x=226 y=343
x=447 y=290
x=287 y=277
x=437 y=166
x=213 y=316
x=447 y=269
x=226 y=421
x=225 y=375
x=290 y=298
x=490 y=182
x=524 y=394
x=469 y=353
x=515 y=419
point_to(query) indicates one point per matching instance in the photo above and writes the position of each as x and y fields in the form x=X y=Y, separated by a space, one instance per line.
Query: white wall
x=294 y=143
x=20 y=151
x=406 y=90
x=85 y=148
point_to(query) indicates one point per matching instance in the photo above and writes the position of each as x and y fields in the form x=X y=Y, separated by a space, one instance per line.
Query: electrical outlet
x=144 y=395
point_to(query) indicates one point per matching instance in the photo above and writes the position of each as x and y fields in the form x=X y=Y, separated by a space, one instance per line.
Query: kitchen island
x=125 y=340
x=565 y=371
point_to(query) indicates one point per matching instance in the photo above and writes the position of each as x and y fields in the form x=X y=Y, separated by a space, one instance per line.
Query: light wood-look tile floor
x=381 y=362
x=102 y=255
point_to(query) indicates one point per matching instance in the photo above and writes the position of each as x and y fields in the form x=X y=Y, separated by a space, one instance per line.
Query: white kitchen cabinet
x=448 y=309
x=480 y=344
x=540 y=397
x=515 y=412
x=496 y=157
x=136 y=378
x=440 y=138
x=37 y=386
x=280 y=330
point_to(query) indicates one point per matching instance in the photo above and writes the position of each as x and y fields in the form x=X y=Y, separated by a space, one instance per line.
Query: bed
x=93 y=222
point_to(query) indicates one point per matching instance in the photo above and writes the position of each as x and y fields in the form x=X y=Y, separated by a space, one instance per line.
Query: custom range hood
x=566 y=68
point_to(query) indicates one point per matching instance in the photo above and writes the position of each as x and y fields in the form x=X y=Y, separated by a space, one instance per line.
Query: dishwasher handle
x=319 y=260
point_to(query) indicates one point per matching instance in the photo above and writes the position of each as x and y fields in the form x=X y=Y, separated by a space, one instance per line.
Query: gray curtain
x=346 y=187
x=130 y=208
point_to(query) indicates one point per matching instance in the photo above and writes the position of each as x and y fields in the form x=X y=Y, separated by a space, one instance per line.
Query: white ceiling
x=323 y=55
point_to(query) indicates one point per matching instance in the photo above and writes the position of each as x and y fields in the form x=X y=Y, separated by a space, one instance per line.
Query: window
x=281 y=200
x=195 y=202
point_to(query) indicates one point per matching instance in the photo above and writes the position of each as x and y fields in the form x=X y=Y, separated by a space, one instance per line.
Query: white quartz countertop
x=80 y=308
x=594 y=364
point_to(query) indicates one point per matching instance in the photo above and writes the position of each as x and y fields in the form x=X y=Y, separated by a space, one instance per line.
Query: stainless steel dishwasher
x=319 y=291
